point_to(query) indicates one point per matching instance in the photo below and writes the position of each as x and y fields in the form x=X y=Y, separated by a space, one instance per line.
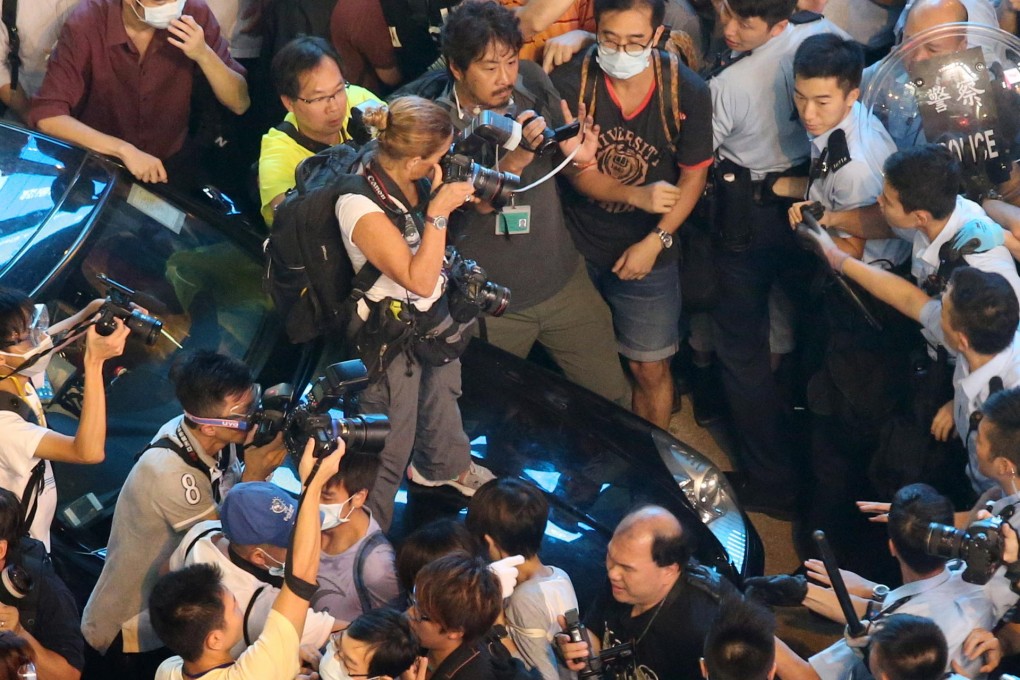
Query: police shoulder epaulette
x=839 y=151
x=705 y=579
x=804 y=16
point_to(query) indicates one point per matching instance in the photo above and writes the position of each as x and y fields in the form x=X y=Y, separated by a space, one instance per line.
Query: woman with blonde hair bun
x=399 y=227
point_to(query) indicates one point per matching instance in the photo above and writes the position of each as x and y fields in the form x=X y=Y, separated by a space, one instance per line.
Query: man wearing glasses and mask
x=26 y=445
x=177 y=482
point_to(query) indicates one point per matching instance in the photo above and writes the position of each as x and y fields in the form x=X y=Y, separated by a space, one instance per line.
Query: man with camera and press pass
x=525 y=245
x=26 y=445
x=178 y=481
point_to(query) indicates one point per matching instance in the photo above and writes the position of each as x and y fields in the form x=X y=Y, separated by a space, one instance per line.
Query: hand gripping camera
x=980 y=545
x=612 y=662
x=118 y=306
x=311 y=417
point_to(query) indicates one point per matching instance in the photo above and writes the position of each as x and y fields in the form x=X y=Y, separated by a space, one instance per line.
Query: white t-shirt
x=349 y=209
x=235 y=18
x=39 y=23
x=274 y=656
x=209 y=549
x=18 y=441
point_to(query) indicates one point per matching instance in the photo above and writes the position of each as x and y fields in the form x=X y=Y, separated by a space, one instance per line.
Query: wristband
x=298 y=586
x=584 y=166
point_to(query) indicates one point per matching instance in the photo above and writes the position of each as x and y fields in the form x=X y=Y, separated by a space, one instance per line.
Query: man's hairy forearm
x=866 y=222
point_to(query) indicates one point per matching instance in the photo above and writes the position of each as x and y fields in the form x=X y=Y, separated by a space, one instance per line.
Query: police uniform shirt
x=162 y=497
x=851 y=176
x=201 y=545
x=754 y=123
x=957 y=607
x=971 y=388
x=926 y=253
x=998 y=587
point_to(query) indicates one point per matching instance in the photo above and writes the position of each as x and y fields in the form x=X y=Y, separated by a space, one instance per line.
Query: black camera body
x=310 y=416
x=15 y=584
x=491 y=186
x=470 y=292
x=612 y=662
x=980 y=545
x=118 y=306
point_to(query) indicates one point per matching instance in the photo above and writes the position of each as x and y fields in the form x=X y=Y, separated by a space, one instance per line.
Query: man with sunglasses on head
x=26 y=445
x=178 y=481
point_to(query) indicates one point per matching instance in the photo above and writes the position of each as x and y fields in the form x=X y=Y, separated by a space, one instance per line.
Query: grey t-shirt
x=531 y=619
x=337 y=594
x=161 y=499
x=534 y=265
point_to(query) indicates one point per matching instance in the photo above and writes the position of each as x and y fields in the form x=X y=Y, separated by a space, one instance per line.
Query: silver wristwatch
x=437 y=222
x=664 y=236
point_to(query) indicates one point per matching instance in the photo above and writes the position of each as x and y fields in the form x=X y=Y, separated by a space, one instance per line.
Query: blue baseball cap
x=258 y=512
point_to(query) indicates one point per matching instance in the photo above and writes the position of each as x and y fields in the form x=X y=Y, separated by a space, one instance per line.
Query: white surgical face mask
x=160 y=16
x=36 y=371
x=330 y=666
x=621 y=65
x=331 y=514
x=275 y=571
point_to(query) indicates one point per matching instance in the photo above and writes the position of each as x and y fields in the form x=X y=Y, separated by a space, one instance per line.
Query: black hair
x=205 y=379
x=300 y=55
x=185 y=606
x=657 y=7
x=10 y=519
x=910 y=648
x=358 y=471
x=15 y=313
x=769 y=11
x=912 y=509
x=826 y=55
x=1001 y=421
x=926 y=177
x=511 y=511
x=473 y=26
x=740 y=644
x=984 y=308
x=435 y=539
x=15 y=652
x=388 y=633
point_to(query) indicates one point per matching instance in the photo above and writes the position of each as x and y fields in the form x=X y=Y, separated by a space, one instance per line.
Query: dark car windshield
x=34 y=176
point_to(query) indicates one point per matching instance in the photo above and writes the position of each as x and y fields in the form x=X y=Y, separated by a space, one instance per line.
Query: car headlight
x=709 y=493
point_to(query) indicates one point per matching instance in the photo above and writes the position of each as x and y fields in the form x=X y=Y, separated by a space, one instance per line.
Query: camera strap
x=382 y=186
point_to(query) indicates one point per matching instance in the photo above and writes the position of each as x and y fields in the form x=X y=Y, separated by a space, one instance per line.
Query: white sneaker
x=467 y=483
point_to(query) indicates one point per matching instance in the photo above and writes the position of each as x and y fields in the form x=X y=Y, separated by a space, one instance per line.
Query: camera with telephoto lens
x=611 y=663
x=470 y=292
x=486 y=131
x=15 y=584
x=980 y=545
x=311 y=417
x=118 y=306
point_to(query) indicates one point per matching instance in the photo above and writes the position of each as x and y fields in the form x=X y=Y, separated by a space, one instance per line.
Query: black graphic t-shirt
x=635 y=150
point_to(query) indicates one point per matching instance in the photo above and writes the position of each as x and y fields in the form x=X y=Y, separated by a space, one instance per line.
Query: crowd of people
x=706 y=202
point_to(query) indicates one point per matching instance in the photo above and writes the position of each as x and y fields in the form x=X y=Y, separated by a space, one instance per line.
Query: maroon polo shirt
x=94 y=75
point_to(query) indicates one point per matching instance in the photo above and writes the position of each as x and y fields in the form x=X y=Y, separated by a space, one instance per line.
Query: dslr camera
x=310 y=416
x=118 y=306
x=470 y=292
x=612 y=663
x=980 y=545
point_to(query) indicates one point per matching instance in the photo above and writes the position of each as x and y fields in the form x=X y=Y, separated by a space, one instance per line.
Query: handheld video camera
x=470 y=292
x=118 y=306
x=310 y=416
x=612 y=662
x=980 y=545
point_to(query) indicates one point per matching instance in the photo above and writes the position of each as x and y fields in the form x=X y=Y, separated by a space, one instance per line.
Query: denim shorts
x=646 y=312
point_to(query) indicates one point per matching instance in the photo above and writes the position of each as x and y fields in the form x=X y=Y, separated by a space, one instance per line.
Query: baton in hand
x=853 y=621
x=809 y=223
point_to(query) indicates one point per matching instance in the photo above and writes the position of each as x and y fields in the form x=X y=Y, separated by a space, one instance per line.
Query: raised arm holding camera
x=26 y=445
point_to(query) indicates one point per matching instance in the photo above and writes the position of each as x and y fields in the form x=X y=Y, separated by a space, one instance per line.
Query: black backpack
x=308 y=272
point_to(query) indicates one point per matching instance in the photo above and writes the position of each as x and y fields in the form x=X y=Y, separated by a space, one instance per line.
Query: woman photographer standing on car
x=407 y=189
